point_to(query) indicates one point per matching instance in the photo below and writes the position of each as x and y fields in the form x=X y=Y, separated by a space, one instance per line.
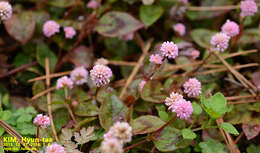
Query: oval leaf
x=146 y=124
x=114 y=24
x=111 y=110
x=86 y=109
x=229 y=128
x=21 y=27
x=150 y=14
x=202 y=37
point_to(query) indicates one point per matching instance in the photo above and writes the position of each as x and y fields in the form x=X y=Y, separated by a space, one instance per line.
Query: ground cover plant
x=133 y=76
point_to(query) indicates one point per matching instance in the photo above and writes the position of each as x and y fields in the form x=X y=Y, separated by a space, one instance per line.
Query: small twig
x=48 y=82
x=13 y=133
x=37 y=131
x=243 y=102
x=51 y=76
x=240 y=77
x=19 y=69
x=212 y=8
x=43 y=93
x=240 y=97
x=122 y=63
x=136 y=144
x=239 y=137
x=136 y=68
x=72 y=115
x=71 y=9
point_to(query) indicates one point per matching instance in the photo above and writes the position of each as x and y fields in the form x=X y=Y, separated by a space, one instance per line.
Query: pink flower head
x=100 y=75
x=220 y=41
x=55 y=148
x=195 y=53
x=5 y=10
x=169 y=49
x=93 y=4
x=50 y=28
x=129 y=36
x=64 y=82
x=42 y=121
x=156 y=59
x=108 y=135
x=179 y=28
x=141 y=85
x=192 y=87
x=182 y=108
x=184 y=1
x=69 y=32
x=248 y=8
x=79 y=75
x=174 y=97
x=230 y=28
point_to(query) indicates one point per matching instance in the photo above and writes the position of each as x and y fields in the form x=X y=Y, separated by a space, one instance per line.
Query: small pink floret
x=79 y=75
x=220 y=41
x=100 y=75
x=50 y=28
x=69 y=32
x=93 y=4
x=42 y=121
x=64 y=82
x=179 y=28
x=230 y=28
x=182 y=108
x=55 y=148
x=169 y=49
x=192 y=87
x=156 y=59
x=248 y=8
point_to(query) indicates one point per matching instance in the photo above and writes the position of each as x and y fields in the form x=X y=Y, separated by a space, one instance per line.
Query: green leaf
x=62 y=3
x=21 y=59
x=43 y=51
x=21 y=26
x=211 y=146
x=164 y=115
x=5 y=115
x=202 y=37
x=196 y=108
x=229 y=128
x=24 y=118
x=250 y=36
x=114 y=24
x=150 y=14
x=26 y=128
x=38 y=86
x=253 y=149
x=111 y=110
x=60 y=118
x=188 y=134
x=2 y=130
x=87 y=109
x=146 y=124
x=170 y=139
x=152 y=92
x=216 y=107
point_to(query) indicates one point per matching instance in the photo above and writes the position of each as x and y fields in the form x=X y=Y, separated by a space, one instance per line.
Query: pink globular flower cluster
x=182 y=108
x=230 y=28
x=220 y=41
x=156 y=59
x=50 y=28
x=141 y=85
x=64 y=82
x=42 y=121
x=179 y=28
x=93 y=4
x=184 y=1
x=100 y=75
x=176 y=103
x=69 y=32
x=118 y=134
x=192 y=87
x=5 y=10
x=169 y=50
x=55 y=148
x=248 y=8
x=191 y=53
x=79 y=75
